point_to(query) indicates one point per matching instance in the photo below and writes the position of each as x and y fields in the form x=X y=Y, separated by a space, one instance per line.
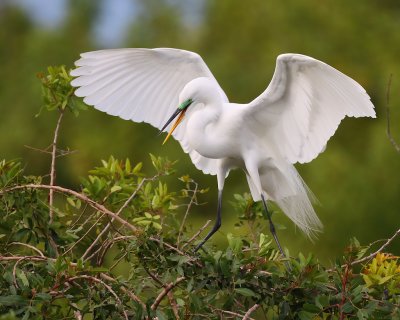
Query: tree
x=61 y=250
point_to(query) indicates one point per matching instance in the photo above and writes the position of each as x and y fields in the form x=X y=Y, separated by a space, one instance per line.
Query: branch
x=378 y=251
x=28 y=246
x=165 y=291
x=388 y=131
x=112 y=220
x=192 y=199
x=197 y=234
x=228 y=312
x=86 y=277
x=125 y=290
x=250 y=311
x=173 y=304
x=78 y=195
x=53 y=166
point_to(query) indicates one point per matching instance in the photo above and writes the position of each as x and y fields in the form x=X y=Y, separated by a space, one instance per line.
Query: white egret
x=290 y=122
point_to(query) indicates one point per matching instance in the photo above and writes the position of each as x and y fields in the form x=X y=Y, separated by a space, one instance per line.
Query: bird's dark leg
x=216 y=225
x=271 y=225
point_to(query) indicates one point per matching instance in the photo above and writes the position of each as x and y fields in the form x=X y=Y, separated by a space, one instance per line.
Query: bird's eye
x=185 y=104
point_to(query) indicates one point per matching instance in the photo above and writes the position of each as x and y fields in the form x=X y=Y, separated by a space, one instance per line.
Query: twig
x=369 y=257
x=344 y=284
x=229 y=312
x=86 y=233
x=53 y=166
x=78 y=195
x=165 y=291
x=192 y=199
x=28 y=246
x=112 y=220
x=250 y=311
x=124 y=290
x=197 y=234
x=173 y=304
x=77 y=315
x=388 y=131
x=86 y=277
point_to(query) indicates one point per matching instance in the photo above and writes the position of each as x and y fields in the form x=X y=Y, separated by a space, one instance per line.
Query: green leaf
x=12 y=300
x=245 y=292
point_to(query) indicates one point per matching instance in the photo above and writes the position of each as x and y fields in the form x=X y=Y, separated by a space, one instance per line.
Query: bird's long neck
x=202 y=130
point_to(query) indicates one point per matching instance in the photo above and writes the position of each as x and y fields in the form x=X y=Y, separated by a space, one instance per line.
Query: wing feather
x=141 y=85
x=303 y=106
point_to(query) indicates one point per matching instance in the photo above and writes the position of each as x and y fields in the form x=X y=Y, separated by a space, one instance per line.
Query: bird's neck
x=202 y=129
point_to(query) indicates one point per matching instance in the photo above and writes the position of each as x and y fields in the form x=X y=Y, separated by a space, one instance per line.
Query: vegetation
x=120 y=247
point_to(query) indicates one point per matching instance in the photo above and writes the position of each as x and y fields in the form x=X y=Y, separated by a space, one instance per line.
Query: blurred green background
x=356 y=179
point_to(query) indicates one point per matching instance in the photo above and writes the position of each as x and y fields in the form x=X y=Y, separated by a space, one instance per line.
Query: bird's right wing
x=303 y=106
x=142 y=85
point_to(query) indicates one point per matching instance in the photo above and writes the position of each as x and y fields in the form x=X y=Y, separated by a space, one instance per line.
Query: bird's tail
x=287 y=189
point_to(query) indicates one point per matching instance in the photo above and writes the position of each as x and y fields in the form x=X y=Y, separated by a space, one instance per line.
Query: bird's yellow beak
x=175 y=125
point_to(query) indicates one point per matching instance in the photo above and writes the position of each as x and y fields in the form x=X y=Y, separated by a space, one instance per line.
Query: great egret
x=290 y=122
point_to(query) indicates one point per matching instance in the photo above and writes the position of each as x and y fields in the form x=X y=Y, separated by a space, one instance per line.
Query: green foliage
x=57 y=91
x=39 y=283
x=121 y=247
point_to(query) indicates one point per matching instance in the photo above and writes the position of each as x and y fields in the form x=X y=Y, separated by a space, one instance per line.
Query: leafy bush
x=62 y=251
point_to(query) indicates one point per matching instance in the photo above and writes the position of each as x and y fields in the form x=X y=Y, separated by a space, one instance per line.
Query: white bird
x=290 y=122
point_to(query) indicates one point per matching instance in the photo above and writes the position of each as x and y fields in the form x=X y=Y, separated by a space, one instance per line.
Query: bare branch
x=369 y=257
x=84 y=256
x=250 y=311
x=388 y=130
x=78 y=195
x=53 y=165
x=28 y=246
x=231 y=313
x=197 y=234
x=192 y=199
x=173 y=304
x=77 y=315
x=125 y=290
x=165 y=291
x=94 y=279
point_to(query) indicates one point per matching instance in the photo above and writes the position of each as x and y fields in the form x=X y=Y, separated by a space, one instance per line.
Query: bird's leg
x=271 y=225
x=217 y=224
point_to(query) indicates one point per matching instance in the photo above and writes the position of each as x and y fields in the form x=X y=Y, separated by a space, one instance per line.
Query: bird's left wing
x=303 y=106
x=141 y=85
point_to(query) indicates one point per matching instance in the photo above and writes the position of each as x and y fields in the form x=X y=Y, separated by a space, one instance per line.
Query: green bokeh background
x=356 y=179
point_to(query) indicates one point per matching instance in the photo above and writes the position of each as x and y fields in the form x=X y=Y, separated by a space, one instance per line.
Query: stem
x=80 y=196
x=53 y=166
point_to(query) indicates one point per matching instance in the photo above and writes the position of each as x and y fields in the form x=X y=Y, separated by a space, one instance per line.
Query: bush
x=61 y=248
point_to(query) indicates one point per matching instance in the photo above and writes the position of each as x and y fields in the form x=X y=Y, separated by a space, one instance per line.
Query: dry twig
x=105 y=229
x=369 y=257
x=250 y=311
x=197 y=233
x=192 y=200
x=94 y=279
x=78 y=195
x=53 y=166
x=167 y=288
x=388 y=130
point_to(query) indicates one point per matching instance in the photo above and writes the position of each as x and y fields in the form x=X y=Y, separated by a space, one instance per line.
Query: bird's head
x=199 y=90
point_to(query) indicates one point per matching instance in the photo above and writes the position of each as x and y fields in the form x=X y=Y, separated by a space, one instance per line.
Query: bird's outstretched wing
x=141 y=85
x=303 y=106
